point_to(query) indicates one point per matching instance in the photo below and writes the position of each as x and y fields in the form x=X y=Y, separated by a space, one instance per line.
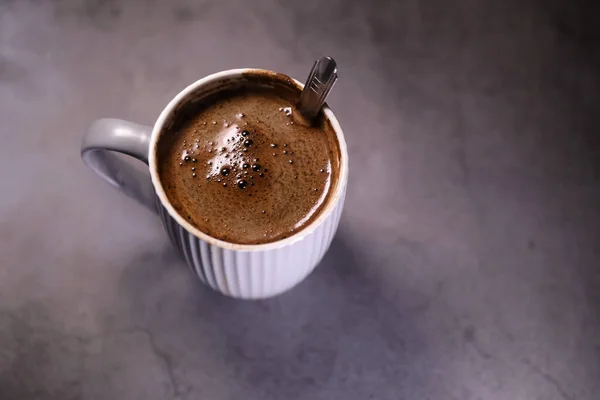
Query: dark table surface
x=467 y=262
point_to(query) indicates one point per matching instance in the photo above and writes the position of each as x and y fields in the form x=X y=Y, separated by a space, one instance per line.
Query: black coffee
x=242 y=167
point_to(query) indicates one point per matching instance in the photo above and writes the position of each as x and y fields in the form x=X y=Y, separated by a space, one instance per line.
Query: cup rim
x=164 y=200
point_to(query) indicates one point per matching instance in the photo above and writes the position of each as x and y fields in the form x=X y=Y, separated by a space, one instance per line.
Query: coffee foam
x=241 y=167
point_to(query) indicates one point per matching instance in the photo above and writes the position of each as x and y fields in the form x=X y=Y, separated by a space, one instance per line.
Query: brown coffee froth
x=242 y=166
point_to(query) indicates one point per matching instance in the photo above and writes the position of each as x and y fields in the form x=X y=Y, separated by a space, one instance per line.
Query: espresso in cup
x=241 y=164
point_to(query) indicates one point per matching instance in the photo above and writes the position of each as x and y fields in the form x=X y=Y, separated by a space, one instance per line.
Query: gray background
x=467 y=262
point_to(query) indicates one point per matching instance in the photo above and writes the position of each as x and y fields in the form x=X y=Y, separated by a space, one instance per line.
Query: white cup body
x=253 y=274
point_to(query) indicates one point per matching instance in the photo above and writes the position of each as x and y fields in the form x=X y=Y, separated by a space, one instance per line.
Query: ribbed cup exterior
x=253 y=274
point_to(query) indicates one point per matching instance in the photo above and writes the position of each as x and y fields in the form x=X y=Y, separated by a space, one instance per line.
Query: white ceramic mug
x=237 y=270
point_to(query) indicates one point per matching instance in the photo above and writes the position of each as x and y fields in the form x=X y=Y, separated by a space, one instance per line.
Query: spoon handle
x=321 y=79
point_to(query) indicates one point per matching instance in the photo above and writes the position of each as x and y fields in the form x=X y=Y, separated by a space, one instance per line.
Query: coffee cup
x=245 y=271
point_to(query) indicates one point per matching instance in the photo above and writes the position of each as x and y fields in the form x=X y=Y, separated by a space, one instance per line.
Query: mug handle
x=109 y=135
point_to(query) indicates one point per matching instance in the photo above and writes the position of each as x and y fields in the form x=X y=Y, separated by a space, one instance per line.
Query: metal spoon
x=321 y=79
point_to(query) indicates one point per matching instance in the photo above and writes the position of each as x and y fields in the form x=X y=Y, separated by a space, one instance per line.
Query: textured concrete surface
x=467 y=265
